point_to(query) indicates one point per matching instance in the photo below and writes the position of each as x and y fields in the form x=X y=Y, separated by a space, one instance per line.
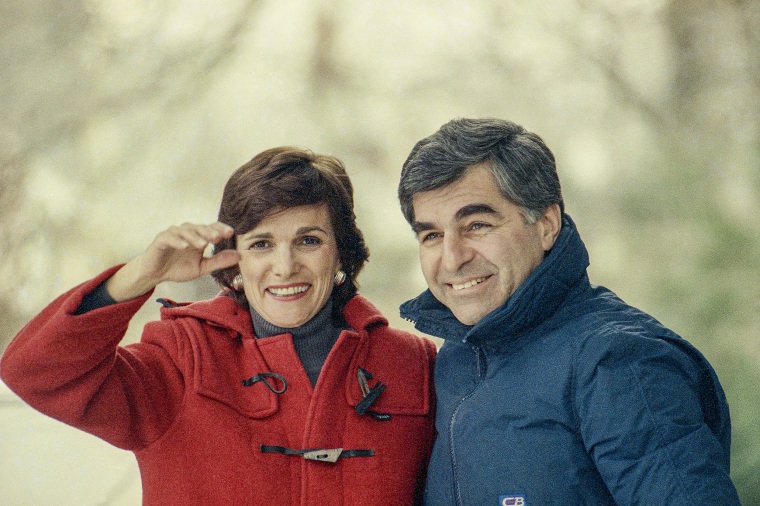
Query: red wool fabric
x=176 y=399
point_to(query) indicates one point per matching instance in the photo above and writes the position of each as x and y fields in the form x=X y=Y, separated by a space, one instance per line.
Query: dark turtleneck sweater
x=313 y=340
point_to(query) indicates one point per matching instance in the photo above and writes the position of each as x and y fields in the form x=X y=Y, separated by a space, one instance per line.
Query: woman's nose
x=285 y=263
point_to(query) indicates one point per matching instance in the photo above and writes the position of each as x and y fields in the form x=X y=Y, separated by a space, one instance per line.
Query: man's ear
x=550 y=224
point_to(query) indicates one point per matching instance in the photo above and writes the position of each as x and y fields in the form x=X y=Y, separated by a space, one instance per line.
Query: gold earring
x=340 y=278
x=237 y=283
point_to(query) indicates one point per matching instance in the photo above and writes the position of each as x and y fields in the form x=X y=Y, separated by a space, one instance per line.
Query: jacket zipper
x=481 y=365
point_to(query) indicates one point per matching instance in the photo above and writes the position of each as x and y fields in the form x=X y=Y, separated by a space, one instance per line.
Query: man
x=551 y=391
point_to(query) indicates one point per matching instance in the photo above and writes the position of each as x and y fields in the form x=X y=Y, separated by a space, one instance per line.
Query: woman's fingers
x=176 y=254
x=191 y=235
x=222 y=230
x=222 y=260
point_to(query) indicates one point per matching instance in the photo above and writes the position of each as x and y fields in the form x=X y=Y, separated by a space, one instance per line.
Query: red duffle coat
x=177 y=400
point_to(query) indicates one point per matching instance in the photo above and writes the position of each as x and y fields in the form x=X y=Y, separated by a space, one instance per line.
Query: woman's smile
x=291 y=292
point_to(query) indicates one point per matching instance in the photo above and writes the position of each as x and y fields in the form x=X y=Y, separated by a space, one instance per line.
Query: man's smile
x=467 y=284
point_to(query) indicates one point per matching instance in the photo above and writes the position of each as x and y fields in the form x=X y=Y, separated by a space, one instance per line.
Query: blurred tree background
x=122 y=117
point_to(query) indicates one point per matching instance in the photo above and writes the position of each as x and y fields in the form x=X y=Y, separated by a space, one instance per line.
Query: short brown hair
x=285 y=177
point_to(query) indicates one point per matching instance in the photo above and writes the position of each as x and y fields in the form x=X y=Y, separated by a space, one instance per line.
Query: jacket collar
x=535 y=299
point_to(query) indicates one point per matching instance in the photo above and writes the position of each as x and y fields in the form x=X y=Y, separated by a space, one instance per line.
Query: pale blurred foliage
x=120 y=118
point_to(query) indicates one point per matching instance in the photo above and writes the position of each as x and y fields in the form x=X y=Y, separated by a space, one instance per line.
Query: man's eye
x=429 y=236
x=259 y=245
x=479 y=225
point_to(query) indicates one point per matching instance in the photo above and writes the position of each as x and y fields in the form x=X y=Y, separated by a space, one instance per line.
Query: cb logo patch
x=512 y=500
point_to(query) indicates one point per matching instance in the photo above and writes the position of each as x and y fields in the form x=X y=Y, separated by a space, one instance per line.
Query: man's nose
x=456 y=252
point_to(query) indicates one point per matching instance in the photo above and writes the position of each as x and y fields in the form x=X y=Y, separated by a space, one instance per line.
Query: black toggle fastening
x=370 y=395
x=319 y=454
x=263 y=378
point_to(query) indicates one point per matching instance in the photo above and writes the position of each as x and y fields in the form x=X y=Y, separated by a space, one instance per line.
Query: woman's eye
x=259 y=245
x=310 y=240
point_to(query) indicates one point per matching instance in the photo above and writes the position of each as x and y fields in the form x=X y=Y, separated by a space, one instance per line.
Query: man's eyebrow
x=420 y=226
x=468 y=210
x=471 y=209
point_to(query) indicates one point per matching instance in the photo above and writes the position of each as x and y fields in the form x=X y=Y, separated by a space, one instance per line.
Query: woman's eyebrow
x=260 y=235
x=269 y=235
x=306 y=230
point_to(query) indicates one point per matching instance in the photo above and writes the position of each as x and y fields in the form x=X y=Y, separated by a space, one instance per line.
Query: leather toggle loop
x=263 y=378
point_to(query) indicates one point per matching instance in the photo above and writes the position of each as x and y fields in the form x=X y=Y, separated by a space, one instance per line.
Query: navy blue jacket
x=565 y=395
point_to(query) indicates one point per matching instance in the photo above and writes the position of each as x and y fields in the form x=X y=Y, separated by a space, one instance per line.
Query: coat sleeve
x=644 y=406
x=70 y=367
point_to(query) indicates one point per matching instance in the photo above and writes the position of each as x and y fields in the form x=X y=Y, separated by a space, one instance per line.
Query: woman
x=287 y=388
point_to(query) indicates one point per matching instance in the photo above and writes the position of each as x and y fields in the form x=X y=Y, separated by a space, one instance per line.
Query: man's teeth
x=468 y=284
x=291 y=290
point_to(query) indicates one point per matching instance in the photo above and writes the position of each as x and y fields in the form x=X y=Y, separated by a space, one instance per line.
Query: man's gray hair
x=523 y=166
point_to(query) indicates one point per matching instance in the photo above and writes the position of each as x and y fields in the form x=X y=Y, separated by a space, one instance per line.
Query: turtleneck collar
x=322 y=320
x=313 y=340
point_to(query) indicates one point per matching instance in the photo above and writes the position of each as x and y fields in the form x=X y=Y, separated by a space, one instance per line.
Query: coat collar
x=222 y=311
x=535 y=299
x=226 y=362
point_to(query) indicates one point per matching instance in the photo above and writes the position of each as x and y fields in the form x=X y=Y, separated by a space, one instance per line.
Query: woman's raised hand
x=176 y=254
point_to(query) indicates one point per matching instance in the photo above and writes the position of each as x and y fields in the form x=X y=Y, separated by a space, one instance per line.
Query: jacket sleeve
x=70 y=366
x=643 y=405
